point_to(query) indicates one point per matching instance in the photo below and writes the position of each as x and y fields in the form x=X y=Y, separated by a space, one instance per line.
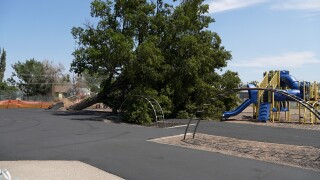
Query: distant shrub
x=183 y=115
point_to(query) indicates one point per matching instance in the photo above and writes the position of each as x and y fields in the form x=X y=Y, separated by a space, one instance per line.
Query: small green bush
x=137 y=111
x=183 y=115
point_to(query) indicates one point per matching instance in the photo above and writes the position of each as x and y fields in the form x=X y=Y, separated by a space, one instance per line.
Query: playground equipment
x=274 y=95
x=154 y=104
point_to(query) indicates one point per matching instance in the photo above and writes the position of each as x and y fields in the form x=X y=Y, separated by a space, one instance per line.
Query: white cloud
x=216 y=6
x=305 y=5
x=291 y=59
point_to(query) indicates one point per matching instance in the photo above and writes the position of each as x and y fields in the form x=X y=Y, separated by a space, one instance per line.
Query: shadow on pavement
x=89 y=115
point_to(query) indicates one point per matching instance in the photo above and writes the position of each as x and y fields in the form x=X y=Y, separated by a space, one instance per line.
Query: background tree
x=91 y=81
x=256 y=83
x=6 y=91
x=154 y=48
x=54 y=73
x=2 y=64
x=37 y=78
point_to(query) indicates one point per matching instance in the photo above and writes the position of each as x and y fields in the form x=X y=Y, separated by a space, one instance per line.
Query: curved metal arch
x=149 y=102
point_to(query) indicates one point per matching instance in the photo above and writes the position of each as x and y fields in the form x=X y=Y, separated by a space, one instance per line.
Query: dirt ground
x=298 y=156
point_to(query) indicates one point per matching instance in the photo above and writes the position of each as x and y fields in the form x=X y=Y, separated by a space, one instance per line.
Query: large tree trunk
x=103 y=95
x=85 y=103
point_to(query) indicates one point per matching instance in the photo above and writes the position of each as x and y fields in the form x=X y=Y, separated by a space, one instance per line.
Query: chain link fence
x=18 y=95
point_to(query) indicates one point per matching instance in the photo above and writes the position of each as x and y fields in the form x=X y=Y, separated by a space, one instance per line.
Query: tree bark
x=85 y=103
x=101 y=96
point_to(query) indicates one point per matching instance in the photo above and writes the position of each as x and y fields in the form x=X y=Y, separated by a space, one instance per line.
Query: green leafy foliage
x=5 y=87
x=6 y=91
x=37 y=78
x=142 y=46
x=230 y=81
x=183 y=115
x=138 y=111
x=137 y=108
x=31 y=77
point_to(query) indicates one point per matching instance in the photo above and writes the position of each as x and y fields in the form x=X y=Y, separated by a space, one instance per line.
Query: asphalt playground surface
x=123 y=150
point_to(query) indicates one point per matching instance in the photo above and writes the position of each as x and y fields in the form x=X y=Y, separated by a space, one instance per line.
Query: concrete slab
x=52 y=170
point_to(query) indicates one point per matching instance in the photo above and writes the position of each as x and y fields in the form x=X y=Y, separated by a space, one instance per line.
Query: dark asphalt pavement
x=123 y=149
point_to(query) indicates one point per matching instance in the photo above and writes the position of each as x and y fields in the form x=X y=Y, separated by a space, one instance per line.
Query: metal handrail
x=195 y=129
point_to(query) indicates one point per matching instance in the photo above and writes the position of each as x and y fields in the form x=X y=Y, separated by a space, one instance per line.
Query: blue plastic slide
x=289 y=80
x=239 y=109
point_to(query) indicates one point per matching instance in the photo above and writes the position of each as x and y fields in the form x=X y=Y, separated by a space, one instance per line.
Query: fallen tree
x=154 y=48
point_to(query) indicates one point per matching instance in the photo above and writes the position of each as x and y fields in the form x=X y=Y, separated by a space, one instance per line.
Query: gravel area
x=314 y=127
x=298 y=156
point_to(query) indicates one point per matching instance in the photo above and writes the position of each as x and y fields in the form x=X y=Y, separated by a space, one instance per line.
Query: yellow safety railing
x=275 y=80
x=263 y=84
x=314 y=91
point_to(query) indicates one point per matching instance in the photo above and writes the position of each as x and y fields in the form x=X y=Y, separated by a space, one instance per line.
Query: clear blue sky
x=261 y=34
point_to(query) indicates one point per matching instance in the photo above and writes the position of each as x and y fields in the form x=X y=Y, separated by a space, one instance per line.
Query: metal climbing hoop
x=156 y=108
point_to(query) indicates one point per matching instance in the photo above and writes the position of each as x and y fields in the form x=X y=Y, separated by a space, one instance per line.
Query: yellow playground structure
x=279 y=92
